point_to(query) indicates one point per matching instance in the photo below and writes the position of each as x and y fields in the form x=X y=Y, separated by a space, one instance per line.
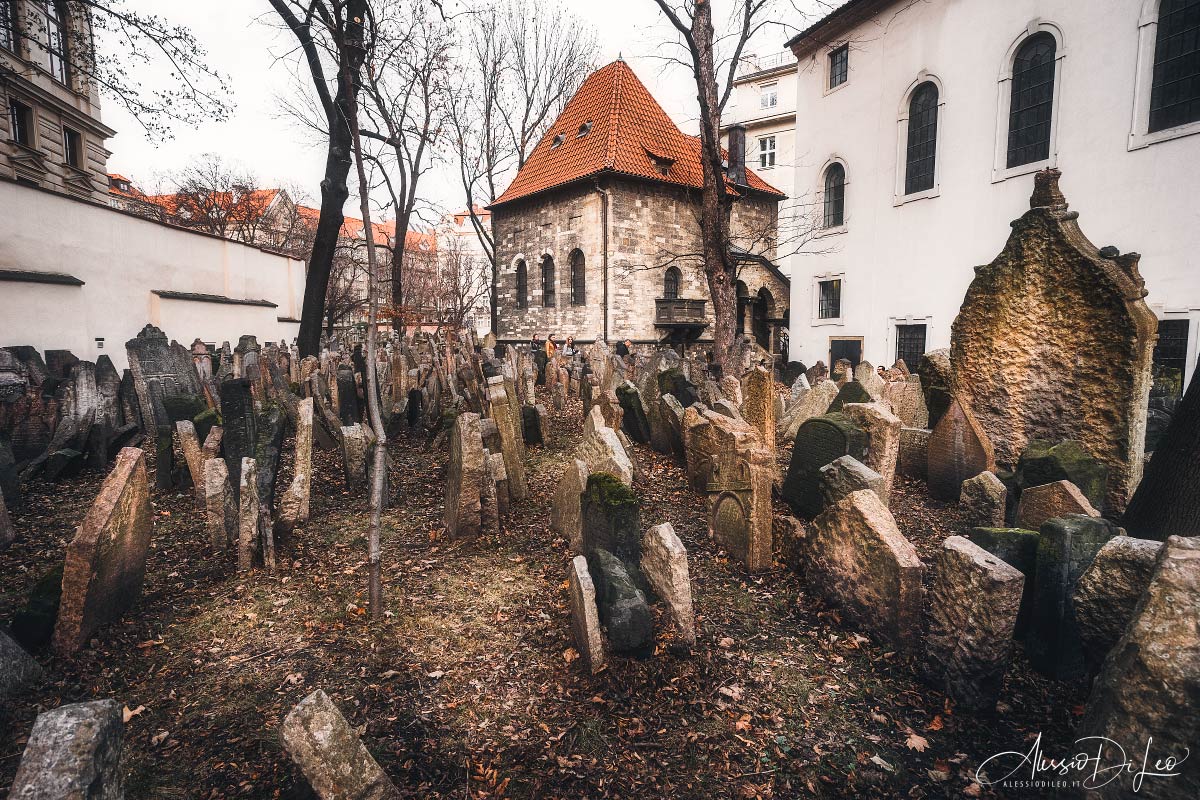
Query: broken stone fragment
x=73 y=753
x=621 y=604
x=333 y=759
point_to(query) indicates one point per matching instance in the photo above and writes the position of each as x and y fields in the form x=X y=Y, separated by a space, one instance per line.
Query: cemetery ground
x=470 y=685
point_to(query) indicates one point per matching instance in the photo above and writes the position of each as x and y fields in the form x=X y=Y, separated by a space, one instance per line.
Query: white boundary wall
x=911 y=260
x=122 y=259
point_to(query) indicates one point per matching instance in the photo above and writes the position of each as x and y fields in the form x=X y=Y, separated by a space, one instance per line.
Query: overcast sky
x=243 y=43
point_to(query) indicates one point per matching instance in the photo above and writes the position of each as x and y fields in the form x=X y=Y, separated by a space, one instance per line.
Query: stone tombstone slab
x=934 y=371
x=585 y=618
x=1017 y=548
x=622 y=606
x=974 y=599
x=634 y=421
x=1041 y=503
x=354 y=456
x=846 y=475
x=293 y=505
x=1148 y=684
x=1054 y=340
x=7 y=532
x=850 y=392
x=465 y=476
x=73 y=753
x=153 y=361
x=907 y=401
x=1066 y=547
x=602 y=451
x=503 y=410
x=329 y=752
x=958 y=450
x=866 y=375
x=819 y=441
x=566 y=509
x=758 y=404
x=1044 y=462
x=983 y=500
x=248 y=516
x=611 y=518
x=813 y=403
x=17 y=668
x=665 y=567
x=240 y=425
x=1108 y=592
x=531 y=425
x=857 y=559
x=883 y=439
x=913 y=459
x=193 y=456
x=731 y=389
x=220 y=511
x=106 y=561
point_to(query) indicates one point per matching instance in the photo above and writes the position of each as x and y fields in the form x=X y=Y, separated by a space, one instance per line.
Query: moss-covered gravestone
x=1045 y=462
x=820 y=441
x=1017 y=548
x=612 y=518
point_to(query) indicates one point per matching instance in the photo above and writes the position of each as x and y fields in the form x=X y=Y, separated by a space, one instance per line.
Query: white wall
x=915 y=259
x=122 y=259
x=745 y=108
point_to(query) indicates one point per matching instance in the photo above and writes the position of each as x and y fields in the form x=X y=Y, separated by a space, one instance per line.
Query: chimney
x=737 y=155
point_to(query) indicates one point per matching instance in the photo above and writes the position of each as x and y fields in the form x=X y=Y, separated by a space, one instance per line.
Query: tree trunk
x=1167 y=501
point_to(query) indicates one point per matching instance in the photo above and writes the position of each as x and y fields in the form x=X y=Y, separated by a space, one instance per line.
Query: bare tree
x=518 y=66
x=329 y=33
x=218 y=197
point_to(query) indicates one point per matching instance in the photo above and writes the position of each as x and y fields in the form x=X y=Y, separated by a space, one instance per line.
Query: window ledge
x=832 y=231
x=1143 y=139
x=922 y=195
x=1025 y=169
x=830 y=90
x=817 y=323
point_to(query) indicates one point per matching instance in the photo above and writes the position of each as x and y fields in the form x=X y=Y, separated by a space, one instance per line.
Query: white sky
x=242 y=42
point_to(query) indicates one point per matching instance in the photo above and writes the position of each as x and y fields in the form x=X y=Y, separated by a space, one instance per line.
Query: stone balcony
x=680 y=313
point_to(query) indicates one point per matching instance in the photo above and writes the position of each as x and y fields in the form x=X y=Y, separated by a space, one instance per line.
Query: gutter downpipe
x=604 y=200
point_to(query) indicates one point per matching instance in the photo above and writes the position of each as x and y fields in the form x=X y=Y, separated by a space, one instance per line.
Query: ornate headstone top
x=1046 y=193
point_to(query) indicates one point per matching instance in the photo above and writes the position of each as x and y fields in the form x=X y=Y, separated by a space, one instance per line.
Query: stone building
x=598 y=234
x=50 y=133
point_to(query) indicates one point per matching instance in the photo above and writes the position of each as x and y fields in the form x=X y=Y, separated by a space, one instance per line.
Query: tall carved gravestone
x=153 y=362
x=1054 y=341
x=819 y=441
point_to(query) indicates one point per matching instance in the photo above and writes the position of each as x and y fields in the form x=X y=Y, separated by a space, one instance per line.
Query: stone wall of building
x=650 y=228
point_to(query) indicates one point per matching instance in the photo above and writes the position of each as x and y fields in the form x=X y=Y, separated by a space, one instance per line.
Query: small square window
x=910 y=344
x=20 y=122
x=829 y=304
x=766 y=152
x=768 y=95
x=839 y=65
x=72 y=148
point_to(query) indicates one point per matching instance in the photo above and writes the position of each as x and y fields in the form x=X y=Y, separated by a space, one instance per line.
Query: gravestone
x=865 y=374
x=850 y=392
x=633 y=421
x=106 y=561
x=621 y=605
x=347 y=404
x=354 y=457
x=1066 y=547
x=983 y=500
x=153 y=362
x=7 y=532
x=934 y=371
x=1053 y=341
x=958 y=450
x=293 y=506
x=883 y=439
x=566 y=509
x=585 y=618
x=907 y=401
x=464 y=478
x=73 y=753
x=17 y=668
x=1108 y=592
x=1044 y=462
x=1017 y=548
x=813 y=403
x=665 y=567
x=221 y=513
x=857 y=559
x=912 y=461
x=846 y=475
x=974 y=598
x=819 y=441
x=611 y=518
x=1146 y=689
x=1041 y=503
x=193 y=456
x=241 y=431
x=758 y=404
x=249 y=514
x=602 y=451
x=506 y=415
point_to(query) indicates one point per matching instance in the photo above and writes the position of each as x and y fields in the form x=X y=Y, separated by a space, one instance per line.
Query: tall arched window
x=1175 y=92
x=1032 y=102
x=56 y=20
x=547 y=281
x=921 y=153
x=671 y=283
x=578 y=279
x=835 y=196
x=522 y=284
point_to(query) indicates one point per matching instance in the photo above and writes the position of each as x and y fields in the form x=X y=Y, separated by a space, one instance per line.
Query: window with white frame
x=834 y=201
x=768 y=95
x=766 y=152
x=1175 y=91
x=839 y=65
x=1031 y=104
x=829 y=299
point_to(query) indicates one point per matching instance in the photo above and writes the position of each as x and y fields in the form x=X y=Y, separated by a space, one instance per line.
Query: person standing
x=569 y=347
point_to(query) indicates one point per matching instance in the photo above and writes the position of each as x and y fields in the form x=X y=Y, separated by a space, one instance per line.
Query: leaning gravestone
x=241 y=432
x=1058 y=499
x=934 y=371
x=611 y=518
x=819 y=441
x=1017 y=548
x=152 y=361
x=566 y=510
x=17 y=668
x=958 y=450
x=851 y=392
x=883 y=439
x=465 y=477
x=665 y=567
x=621 y=604
x=73 y=753
x=585 y=619
x=973 y=603
x=106 y=561
x=1044 y=462
x=7 y=532
x=983 y=500
x=1054 y=341
x=1108 y=592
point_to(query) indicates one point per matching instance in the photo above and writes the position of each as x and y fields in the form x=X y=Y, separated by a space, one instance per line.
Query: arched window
x=835 y=196
x=1032 y=101
x=921 y=153
x=522 y=284
x=548 y=281
x=671 y=283
x=56 y=19
x=578 y=279
x=743 y=298
x=1175 y=92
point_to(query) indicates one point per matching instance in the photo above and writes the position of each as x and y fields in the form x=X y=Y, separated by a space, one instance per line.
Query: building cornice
x=834 y=25
x=91 y=124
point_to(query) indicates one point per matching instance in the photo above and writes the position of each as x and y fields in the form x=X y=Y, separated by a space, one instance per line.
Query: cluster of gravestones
x=1034 y=428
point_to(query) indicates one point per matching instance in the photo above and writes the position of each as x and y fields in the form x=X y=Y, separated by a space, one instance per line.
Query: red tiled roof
x=629 y=133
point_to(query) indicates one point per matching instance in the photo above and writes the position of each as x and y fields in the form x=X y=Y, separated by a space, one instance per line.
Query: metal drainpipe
x=604 y=250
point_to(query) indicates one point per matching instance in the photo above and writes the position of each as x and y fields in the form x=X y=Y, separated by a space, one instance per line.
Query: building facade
x=923 y=124
x=50 y=134
x=598 y=235
x=764 y=103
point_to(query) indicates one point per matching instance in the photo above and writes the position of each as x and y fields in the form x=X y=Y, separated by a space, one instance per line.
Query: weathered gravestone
x=585 y=618
x=907 y=401
x=17 y=668
x=1017 y=548
x=633 y=421
x=1058 y=499
x=1144 y=698
x=1108 y=592
x=354 y=456
x=813 y=403
x=866 y=375
x=566 y=510
x=621 y=604
x=883 y=439
x=973 y=603
x=106 y=561
x=665 y=568
x=846 y=475
x=913 y=459
x=758 y=404
x=1044 y=462
x=958 y=450
x=328 y=751
x=983 y=500
x=934 y=371
x=1066 y=547
x=857 y=559
x=249 y=514
x=1053 y=341
x=240 y=426
x=7 y=532
x=154 y=362
x=293 y=506
x=503 y=410
x=220 y=510
x=819 y=441
x=465 y=476
x=602 y=451
x=73 y=753
x=611 y=518
x=850 y=392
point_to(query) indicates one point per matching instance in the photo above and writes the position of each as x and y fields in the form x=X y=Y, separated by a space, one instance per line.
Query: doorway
x=849 y=348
